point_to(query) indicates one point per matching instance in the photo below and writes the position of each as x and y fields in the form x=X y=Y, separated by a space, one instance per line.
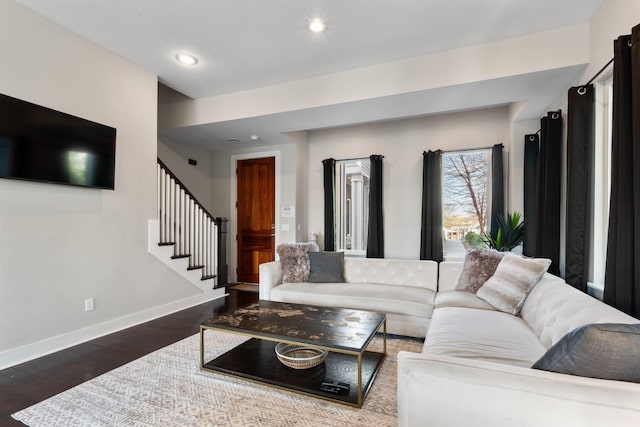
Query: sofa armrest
x=270 y=276
x=448 y=391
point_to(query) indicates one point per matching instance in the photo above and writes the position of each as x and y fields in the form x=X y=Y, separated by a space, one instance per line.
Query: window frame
x=351 y=213
x=601 y=182
x=453 y=255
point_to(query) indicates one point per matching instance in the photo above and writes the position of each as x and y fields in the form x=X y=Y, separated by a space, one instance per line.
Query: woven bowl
x=299 y=357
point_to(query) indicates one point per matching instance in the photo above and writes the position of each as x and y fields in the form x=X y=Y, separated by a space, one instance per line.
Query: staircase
x=186 y=236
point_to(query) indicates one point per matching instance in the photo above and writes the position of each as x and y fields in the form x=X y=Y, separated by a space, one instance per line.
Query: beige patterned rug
x=167 y=388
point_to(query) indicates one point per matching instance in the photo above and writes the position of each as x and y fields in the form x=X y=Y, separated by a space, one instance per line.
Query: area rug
x=167 y=388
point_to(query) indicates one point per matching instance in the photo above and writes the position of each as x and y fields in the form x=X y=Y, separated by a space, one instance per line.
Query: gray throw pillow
x=609 y=351
x=478 y=266
x=326 y=267
x=294 y=259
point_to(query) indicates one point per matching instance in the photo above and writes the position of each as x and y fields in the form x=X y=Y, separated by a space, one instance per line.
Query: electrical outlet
x=88 y=304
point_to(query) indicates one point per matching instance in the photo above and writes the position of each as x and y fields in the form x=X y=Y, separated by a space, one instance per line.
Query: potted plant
x=474 y=240
x=509 y=235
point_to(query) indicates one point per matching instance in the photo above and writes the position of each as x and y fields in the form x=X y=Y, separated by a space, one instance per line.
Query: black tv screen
x=41 y=144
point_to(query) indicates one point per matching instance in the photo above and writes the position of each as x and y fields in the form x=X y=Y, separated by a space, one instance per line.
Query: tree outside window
x=466 y=195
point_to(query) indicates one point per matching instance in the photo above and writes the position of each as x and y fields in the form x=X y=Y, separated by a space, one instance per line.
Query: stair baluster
x=190 y=228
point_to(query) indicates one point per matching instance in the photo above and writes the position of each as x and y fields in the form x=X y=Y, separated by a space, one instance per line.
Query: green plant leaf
x=509 y=235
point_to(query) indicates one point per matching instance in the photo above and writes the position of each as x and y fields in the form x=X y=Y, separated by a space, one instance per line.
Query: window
x=466 y=194
x=352 y=205
x=602 y=181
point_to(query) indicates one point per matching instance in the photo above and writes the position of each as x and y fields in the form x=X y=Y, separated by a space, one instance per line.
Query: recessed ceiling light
x=317 y=25
x=186 y=59
x=255 y=137
x=233 y=140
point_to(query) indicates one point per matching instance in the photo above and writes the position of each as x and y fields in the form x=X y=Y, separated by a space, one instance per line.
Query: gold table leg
x=201 y=347
x=359 y=380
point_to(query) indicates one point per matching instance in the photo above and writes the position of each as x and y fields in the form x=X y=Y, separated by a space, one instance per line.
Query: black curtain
x=622 y=275
x=548 y=190
x=531 y=152
x=497 y=188
x=375 y=235
x=431 y=224
x=329 y=171
x=580 y=152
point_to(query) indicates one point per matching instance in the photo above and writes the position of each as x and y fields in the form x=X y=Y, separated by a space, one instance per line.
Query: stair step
x=195 y=267
x=180 y=256
x=166 y=243
x=211 y=276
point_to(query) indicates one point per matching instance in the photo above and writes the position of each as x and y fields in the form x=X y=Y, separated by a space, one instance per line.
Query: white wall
x=61 y=244
x=302 y=179
x=402 y=143
x=614 y=18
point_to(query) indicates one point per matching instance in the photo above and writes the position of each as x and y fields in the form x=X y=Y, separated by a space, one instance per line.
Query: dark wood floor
x=24 y=385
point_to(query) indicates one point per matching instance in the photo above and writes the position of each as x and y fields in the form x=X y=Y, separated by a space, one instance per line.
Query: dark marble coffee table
x=344 y=333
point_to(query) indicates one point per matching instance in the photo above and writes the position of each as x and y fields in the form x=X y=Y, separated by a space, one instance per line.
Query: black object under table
x=344 y=333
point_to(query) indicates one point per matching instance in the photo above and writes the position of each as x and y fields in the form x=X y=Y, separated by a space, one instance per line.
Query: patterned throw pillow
x=507 y=289
x=478 y=266
x=294 y=258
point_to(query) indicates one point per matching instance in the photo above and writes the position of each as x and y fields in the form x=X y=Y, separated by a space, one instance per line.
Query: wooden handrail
x=184 y=187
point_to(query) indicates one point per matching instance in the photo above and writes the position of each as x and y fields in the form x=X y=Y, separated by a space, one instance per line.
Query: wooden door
x=256 y=216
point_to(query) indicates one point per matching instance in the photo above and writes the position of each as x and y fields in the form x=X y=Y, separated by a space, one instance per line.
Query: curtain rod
x=559 y=111
x=354 y=159
x=595 y=76
x=351 y=160
x=599 y=72
x=468 y=149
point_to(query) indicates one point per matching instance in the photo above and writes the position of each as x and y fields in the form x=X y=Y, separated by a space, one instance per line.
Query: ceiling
x=248 y=44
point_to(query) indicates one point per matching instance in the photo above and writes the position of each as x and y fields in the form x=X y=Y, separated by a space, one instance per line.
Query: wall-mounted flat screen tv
x=41 y=144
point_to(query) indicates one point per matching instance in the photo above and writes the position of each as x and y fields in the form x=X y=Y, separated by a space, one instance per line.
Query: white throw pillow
x=515 y=276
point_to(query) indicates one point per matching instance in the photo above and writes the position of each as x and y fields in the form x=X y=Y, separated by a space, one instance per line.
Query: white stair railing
x=193 y=232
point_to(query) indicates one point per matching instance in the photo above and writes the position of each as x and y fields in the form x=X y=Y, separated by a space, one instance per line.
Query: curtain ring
x=532 y=138
x=582 y=90
x=554 y=116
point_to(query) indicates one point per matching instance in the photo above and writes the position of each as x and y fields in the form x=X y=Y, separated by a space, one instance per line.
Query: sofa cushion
x=479 y=265
x=409 y=300
x=294 y=258
x=512 y=281
x=418 y=273
x=609 y=351
x=461 y=299
x=486 y=335
x=554 y=308
x=326 y=267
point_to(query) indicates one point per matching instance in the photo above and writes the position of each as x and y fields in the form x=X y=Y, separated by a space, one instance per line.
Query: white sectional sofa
x=404 y=289
x=476 y=364
x=475 y=367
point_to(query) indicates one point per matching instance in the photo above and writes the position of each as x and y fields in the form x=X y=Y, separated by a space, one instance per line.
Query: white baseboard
x=47 y=346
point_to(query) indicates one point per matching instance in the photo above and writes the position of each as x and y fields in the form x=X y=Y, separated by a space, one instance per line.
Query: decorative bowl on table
x=300 y=357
